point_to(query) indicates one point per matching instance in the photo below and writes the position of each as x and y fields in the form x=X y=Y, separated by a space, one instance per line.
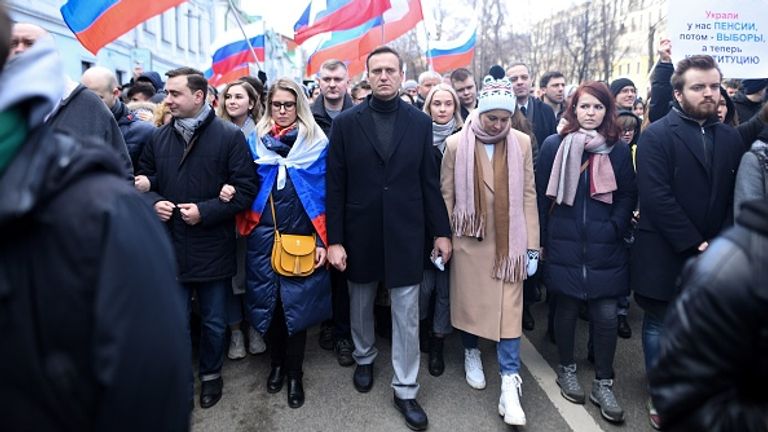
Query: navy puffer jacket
x=306 y=300
x=584 y=246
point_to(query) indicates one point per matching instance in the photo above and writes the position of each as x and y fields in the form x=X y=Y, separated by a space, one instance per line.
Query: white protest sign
x=733 y=32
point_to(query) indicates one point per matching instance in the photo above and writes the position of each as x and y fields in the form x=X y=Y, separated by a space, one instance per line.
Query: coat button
x=386 y=188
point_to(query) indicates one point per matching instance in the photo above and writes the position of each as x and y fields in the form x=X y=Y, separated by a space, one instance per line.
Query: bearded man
x=686 y=169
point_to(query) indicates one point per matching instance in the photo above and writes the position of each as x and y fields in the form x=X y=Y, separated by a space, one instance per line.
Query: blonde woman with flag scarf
x=289 y=151
x=488 y=187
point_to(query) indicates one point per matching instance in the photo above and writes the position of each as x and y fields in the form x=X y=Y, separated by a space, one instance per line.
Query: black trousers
x=603 y=323
x=285 y=351
x=340 y=303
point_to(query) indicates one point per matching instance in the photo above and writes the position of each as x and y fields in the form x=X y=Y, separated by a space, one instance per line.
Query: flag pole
x=247 y=39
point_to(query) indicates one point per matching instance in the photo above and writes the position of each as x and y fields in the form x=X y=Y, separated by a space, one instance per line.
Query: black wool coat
x=682 y=203
x=216 y=155
x=380 y=208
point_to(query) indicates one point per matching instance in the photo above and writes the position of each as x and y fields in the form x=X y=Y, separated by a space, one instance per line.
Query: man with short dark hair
x=552 y=85
x=184 y=167
x=750 y=99
x=136 y=133
x=686 y=170
x=383 y=200
x=464 y=84
x=333 y=100
x=541 y=115
x=140 y=92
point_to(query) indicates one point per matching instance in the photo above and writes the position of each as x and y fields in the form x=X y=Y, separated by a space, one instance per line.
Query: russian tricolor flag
x=352 y=46
x=450 y=55
x=231 y=53
x=96 y=23
x=322 y=16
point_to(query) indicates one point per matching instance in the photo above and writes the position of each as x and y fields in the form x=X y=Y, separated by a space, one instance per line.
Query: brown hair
x=255 y=112
x=702 y=62
x=385 y=50
x=609 y=127
x=195 y=79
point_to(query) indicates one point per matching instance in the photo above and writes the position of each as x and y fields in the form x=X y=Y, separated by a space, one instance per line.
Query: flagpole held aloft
x=245 y=36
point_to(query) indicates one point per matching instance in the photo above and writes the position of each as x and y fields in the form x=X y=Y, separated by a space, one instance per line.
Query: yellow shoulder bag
x=292 y=254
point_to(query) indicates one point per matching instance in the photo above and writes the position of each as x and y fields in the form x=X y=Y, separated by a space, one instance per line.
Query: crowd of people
x=413 y=209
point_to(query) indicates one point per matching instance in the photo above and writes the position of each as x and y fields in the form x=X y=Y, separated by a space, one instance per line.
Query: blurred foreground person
x=91 y=320
x=713 y=364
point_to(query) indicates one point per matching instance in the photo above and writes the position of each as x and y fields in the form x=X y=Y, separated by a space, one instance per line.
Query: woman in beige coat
x=488 y=186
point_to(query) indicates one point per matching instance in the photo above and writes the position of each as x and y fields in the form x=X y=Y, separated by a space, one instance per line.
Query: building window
x=119 y=75
x=85 y=65
x=166 y=24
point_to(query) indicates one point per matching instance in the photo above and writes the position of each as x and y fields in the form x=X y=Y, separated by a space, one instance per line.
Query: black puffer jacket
x=136 y=133
x=713 y=367
x=217 y=155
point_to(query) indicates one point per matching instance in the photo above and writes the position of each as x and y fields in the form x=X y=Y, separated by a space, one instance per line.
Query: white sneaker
x=256 y=343
x=473 y=368
x=236 y=346
x=509 y=402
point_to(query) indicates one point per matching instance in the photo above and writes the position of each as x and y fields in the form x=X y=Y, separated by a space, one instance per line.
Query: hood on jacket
x=626 y=114
x=47 y=162
x=153 y=78
x=731 y=114
x=33 y=81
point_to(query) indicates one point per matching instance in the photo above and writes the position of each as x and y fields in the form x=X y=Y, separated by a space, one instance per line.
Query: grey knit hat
x=496 y=94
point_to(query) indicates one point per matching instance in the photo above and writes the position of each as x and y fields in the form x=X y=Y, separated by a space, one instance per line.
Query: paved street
x=332 y=404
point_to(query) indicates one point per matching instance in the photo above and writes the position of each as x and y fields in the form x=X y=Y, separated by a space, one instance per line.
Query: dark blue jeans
x=653 y=327
x=212 y=298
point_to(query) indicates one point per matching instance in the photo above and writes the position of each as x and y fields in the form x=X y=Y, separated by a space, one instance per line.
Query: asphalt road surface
x=332 y=404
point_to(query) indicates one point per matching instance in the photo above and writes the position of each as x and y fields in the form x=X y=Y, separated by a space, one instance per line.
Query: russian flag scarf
x=305 y=164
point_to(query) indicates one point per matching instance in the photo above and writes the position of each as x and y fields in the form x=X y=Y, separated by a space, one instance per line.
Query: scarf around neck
x=187 y=126
x=440 y=132
x=469 y=217
x=566 y=168
x=248 y=126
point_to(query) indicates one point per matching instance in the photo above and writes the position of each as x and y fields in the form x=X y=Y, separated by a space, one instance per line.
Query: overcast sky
x=282 y=14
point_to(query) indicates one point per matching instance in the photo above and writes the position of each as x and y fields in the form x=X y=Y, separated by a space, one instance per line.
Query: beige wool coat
x=480 y=304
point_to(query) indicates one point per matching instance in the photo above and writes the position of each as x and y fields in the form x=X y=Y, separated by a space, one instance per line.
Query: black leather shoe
x=436 y=363
x=415 y=417
x=275 y=380
x=363 y=378
x=625 y=331
x=210 y=392
x=326 y=336
x=528 y=322
x=295 y=392
x=343 y=349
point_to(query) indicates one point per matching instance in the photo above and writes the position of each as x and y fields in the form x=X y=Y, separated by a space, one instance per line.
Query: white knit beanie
x=496 y=94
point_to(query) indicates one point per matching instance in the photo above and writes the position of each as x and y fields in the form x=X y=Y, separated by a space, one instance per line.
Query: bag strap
x=274 y=215
x=581 y=171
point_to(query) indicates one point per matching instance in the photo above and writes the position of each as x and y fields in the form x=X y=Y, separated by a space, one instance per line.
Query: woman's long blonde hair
x=456 y=104
x=303 y=114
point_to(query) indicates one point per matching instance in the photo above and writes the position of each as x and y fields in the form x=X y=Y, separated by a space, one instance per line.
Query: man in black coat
x=184 y=167
x=714 y=356
x=686 y=170
x=335 y=333
x=382 y=194
x=91 y=326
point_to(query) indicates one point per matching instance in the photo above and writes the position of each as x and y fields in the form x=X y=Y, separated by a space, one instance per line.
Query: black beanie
x=619 y=84
x=752 y=86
